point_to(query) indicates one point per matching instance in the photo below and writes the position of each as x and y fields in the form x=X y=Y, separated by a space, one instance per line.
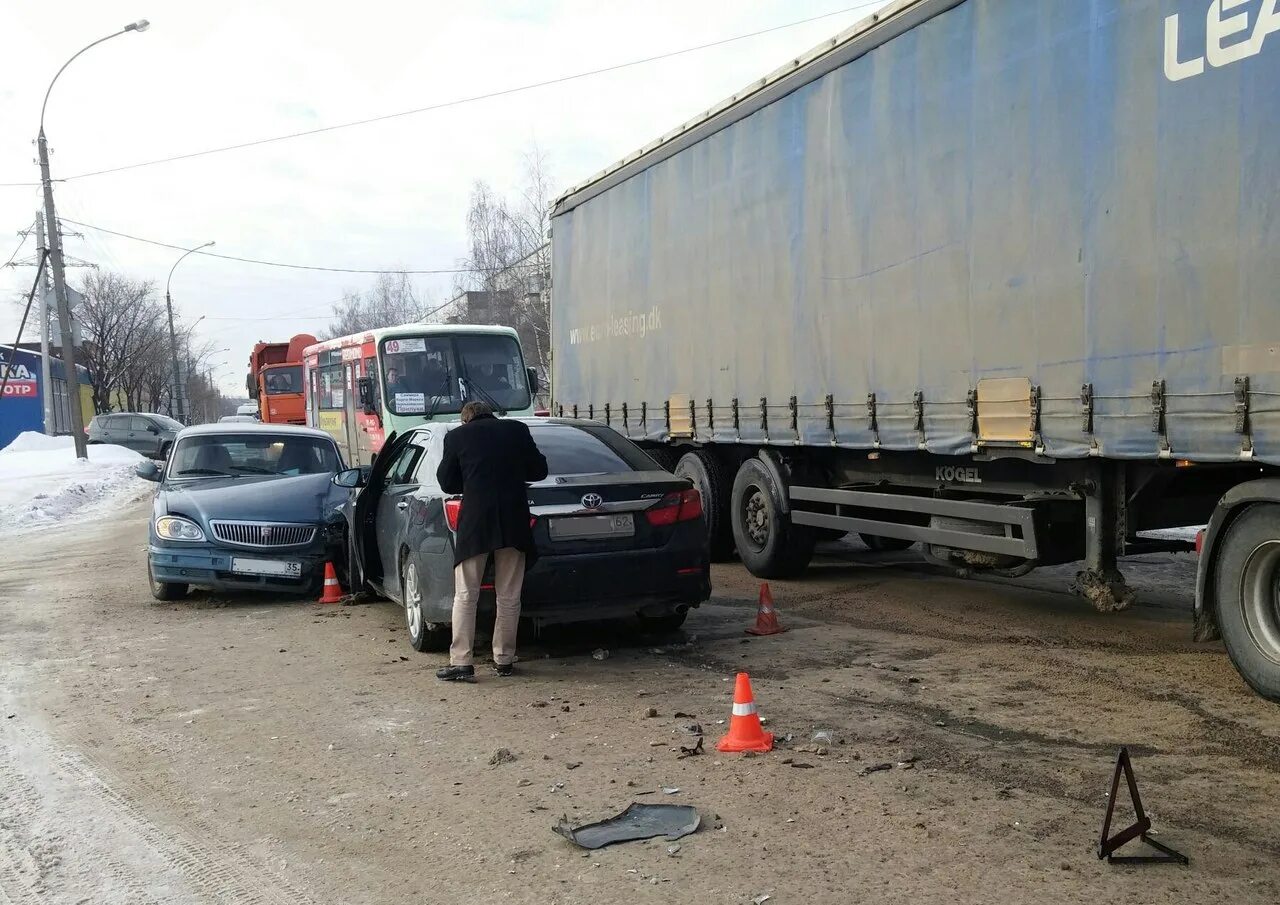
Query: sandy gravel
x=238 y=749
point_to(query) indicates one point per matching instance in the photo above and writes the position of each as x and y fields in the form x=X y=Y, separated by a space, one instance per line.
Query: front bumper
x=209 y=566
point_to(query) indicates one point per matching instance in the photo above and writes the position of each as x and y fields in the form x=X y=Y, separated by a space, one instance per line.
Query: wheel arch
x=1232 y=505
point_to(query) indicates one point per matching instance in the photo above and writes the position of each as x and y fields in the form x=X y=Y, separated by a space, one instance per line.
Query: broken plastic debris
x=600 y=654
x=638 y=821
x=670 y=790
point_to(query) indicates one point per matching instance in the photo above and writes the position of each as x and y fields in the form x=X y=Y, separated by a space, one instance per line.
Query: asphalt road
x=250 y=749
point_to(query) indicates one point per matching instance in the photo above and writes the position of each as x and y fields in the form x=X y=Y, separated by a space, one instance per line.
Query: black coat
x=490 y=461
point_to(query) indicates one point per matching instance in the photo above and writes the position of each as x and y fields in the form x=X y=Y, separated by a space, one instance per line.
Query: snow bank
x=42 y=481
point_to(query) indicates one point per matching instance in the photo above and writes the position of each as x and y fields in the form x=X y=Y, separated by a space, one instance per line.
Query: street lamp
x=55 y=258
x=173 y=337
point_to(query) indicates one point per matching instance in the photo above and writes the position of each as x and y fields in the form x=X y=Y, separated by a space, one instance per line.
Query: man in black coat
x=490 y=462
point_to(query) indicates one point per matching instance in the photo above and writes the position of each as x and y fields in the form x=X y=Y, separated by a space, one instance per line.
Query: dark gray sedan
x=617 y=535
x=245 y=506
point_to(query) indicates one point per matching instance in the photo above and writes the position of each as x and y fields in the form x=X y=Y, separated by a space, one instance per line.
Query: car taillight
x=678 y=506
x=452 y=509
x=1199 y=542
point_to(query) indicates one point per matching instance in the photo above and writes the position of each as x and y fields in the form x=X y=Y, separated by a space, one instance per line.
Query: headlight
x=173 y=527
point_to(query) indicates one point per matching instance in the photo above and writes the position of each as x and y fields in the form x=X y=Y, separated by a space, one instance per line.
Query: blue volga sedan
x=245 y=506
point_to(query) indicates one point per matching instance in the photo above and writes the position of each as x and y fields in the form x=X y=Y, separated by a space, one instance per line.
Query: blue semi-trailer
x=997 y=277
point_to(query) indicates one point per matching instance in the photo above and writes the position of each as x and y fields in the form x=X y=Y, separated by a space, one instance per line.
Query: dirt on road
x=260 y=750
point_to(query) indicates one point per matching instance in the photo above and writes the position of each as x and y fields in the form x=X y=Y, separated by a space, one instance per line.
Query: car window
x=429 y=461
x=140 y=424
x=570 y=449
x=402 y=469
x=221 y=455
x=166 y=423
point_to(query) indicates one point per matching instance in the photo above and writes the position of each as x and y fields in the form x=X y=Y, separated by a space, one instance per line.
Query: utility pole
x=64 y=310
x=46 y=369
x=55 y=255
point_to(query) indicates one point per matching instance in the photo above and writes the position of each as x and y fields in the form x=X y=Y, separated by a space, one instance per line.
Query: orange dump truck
x=275 y=380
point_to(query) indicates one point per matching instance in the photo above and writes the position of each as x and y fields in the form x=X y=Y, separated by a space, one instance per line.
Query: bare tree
x=390 y=301
x=122 y=321
x=509 y=262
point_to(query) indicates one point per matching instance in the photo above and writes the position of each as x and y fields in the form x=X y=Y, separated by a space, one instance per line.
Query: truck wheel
x=703 y=469
x=769 y=545
x=664 y=457
x=879 y=544
x=1248 y=592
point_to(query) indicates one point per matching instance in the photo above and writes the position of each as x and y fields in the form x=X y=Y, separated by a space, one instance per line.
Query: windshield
x=573 y=450
x=439 y=374
x=283 y=380
x=168 y=423
x=222 y=455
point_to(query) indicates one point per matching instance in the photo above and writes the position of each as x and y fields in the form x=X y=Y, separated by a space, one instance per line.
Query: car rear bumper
x=210 y=567
x=601 y=586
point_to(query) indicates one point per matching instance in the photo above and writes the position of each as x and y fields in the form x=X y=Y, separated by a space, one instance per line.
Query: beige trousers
x=508 y=579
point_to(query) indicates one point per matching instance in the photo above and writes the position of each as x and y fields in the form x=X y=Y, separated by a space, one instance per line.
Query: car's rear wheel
x=421 y=635
x=661 y=625
x=166 y=590
x=769 y=545
x=703 y=469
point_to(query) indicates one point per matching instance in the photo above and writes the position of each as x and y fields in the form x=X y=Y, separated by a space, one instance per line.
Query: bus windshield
x=439 y=374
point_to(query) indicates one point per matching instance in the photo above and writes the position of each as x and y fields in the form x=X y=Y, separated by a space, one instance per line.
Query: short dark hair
x=475 y=410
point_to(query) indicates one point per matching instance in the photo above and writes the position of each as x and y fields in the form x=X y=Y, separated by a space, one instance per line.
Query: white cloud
x=392 y=194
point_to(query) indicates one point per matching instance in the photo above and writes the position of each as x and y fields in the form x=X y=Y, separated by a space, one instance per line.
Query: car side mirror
x=148 y=471
x=533 y=379
x=350 y=478
x=153 y=429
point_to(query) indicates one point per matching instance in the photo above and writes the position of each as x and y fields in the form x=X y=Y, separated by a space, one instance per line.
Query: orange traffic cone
x=766 y=616
x=745 y=732
x=332 y=590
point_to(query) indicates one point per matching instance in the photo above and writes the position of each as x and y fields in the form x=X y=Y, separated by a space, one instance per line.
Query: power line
x=504 y=92
x=210 y=254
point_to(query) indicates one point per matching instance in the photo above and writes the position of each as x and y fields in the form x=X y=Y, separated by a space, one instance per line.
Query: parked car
x=249 y=506
x=248 y=408
x=237 y=419
x=150 y=434
x=617 y=535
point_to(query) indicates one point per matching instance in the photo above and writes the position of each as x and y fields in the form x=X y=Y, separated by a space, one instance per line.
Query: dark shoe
x=504 y=669
x=457 y=674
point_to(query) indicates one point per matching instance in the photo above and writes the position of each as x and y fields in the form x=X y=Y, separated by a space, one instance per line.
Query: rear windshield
x=222 y=455
x=574 y=450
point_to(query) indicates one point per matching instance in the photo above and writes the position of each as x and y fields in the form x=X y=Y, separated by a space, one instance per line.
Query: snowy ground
x=42 y=482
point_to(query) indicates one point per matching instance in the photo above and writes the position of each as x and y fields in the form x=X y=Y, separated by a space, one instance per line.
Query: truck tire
x=768 y=544
x=664 y=457
x=703 y=469
x=1248 y=596
x=878 y=544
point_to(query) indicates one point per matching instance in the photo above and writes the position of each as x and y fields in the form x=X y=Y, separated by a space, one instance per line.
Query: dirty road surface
x=257 y=750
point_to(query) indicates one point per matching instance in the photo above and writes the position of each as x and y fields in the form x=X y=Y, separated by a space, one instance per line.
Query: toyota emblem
x=592 y=501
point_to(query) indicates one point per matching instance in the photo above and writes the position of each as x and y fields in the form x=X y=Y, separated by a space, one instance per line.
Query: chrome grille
x=263 y=534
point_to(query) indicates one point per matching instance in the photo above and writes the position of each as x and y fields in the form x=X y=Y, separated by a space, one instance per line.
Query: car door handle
x=403 y=504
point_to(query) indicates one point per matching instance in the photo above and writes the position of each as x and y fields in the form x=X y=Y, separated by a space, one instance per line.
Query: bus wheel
x=1248 y=592
x=768 y=544
x=703 y=469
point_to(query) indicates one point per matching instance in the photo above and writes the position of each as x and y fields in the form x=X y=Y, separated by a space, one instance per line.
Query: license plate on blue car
x=281 y=567
x=579 y=527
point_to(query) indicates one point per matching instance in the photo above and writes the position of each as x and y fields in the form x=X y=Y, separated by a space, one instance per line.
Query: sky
x=383 y=196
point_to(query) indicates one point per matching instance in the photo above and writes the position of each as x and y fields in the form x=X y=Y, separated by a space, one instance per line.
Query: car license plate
x=284 y=568
x=590 y=526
